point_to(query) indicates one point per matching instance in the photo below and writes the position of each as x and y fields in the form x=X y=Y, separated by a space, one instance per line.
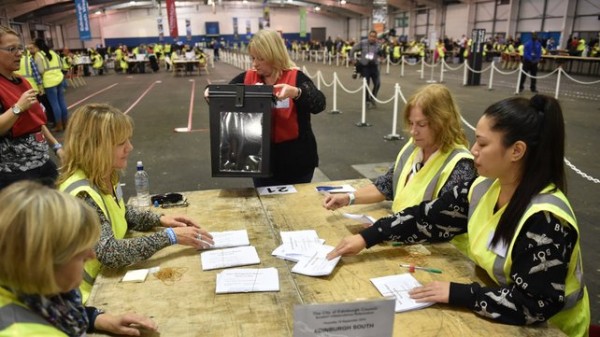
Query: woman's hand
x=437 y=291
x=128 y=324
x=61 y=154
x=193 y=237
x=286 y=91
x=27 y=99
x=177 y=221
x=335 y=201
x=350 y=245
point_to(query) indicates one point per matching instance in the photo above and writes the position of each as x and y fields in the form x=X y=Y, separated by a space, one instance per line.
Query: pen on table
x=412 y=268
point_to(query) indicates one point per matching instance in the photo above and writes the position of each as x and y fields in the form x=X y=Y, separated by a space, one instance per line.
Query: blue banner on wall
x=83 y=20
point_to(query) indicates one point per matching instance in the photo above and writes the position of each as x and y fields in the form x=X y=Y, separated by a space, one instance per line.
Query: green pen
x=412 y=268
x=397 y=244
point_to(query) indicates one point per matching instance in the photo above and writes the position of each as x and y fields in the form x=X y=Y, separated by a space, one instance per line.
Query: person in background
x=521 y=228
x=31 y=49
x=45 y=238
x=50 y=66
x=370 y=51
x=532 y=54
x=24 y=137
x=97 y=145
x=432 y=162
x=294 y=152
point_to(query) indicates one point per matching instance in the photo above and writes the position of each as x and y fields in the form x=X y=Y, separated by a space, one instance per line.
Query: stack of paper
x=305 y=248
x=229 y=239
x=138 y=275
x=398 y=286
x=317 y=264
x=297 y=244
x=229 y=257
x=247 y=280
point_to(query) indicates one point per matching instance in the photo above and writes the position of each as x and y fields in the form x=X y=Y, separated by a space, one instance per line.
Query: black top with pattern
x=540 y=257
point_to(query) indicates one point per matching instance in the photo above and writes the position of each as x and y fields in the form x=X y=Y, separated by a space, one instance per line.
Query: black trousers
x=45 y=175
x=530 y=68
x=371 y=73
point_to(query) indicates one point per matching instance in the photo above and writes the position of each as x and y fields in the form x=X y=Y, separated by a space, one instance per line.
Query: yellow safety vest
x=574 y=318
x=396 y=52
x=521 y=49
x=22 y=322
x=98 y=61
x=113 y=210
x=26 y=71
x=53 y=75
x=427 y=183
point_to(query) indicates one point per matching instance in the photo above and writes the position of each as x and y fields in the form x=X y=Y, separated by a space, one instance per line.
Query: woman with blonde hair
x=432 y=161
x=45 y=238
x=294 y=154
x=97 y=145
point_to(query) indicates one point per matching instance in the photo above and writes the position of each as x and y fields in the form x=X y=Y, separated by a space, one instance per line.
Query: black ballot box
x=240 y=130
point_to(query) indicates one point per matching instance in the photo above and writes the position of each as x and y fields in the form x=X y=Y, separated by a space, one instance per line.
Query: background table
x=190 y=306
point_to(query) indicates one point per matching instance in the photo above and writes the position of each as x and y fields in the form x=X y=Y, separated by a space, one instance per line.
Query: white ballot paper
x=229 y=239
x=362 y=218
x=300 y=242
x=138 y=275
x=229 y=257
x=317 y=264
x=247 y=280
x=398 y=286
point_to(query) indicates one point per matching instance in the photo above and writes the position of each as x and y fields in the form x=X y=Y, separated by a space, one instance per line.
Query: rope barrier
x=577 y=81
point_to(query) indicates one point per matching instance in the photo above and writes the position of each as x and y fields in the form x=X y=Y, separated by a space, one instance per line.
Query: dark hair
x=538 y=122
x=41 y=44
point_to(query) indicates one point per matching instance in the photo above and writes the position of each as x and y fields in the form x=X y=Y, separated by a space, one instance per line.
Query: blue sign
x=83 y=20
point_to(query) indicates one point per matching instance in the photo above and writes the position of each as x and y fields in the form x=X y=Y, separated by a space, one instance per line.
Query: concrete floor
x=181 y=161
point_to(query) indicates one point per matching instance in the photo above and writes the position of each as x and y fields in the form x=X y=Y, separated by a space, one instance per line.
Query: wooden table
x=190 y=307
x=181 y=66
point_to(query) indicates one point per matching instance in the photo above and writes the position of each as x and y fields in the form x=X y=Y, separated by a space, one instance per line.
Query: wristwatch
x=16 y=109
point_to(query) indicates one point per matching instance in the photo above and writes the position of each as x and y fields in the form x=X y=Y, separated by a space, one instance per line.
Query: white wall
x=456 y=28
x=142 y=22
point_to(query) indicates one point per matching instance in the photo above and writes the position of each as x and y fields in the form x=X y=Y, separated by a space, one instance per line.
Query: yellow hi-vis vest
x=26 y=71
x=427 y=182
x=98 y=61
x=113 y=210
x=574 y=318
x=53 y=75
x=17 y=320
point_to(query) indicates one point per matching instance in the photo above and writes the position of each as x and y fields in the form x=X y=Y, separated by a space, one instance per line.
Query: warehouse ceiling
x=58 y=11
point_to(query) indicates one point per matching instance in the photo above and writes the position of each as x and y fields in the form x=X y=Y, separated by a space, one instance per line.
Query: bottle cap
x=139 y=165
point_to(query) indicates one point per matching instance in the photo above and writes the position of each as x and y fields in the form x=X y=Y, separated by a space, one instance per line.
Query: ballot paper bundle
x=308 y=251
x=246 y=280
x=398 y=286
x=235 y=251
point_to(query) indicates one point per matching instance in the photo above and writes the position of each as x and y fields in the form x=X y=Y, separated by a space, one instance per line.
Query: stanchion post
x=443 y=63
x=402 y=66
x=431 y=80
x=519 y=79
x=466 y=64
x=387 y=67
x=363 y=119
x=335 y=110
x=560 y=70
x=394 y=135
x=319 y=79
x=491 y=76
x=422 y=67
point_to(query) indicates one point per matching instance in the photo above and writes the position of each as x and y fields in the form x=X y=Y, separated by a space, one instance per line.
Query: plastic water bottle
x=142 y=185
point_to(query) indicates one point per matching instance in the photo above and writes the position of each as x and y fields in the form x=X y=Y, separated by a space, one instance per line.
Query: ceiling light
x=98 y=12
x=343 y=2
x=317 y=8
